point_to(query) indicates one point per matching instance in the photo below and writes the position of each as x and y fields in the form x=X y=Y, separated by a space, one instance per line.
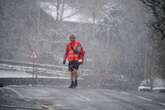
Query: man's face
x=72 y=38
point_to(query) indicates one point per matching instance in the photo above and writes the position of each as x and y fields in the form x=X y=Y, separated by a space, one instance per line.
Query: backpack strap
x=74 y=50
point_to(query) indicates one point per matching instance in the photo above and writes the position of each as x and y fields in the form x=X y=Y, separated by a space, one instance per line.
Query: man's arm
x=81 y=54
x=66 y=55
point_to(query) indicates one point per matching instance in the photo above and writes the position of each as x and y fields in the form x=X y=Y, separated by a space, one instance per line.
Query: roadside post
x=34 y=57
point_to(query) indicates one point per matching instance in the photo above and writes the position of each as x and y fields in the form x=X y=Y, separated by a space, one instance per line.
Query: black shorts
x=73 y=65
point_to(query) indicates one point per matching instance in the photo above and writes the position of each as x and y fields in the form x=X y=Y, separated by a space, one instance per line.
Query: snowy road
x=61 y=98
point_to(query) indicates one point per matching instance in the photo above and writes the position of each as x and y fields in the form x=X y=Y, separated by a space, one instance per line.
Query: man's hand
x=80 y=61
x=64 y=62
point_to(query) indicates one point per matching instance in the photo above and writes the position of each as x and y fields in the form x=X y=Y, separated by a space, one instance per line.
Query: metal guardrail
x=29 y=64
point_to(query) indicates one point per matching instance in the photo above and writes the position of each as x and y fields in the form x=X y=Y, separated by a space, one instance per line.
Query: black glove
x=64 y=62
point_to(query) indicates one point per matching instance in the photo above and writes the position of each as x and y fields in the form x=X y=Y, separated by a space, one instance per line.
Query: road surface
x=63 y=98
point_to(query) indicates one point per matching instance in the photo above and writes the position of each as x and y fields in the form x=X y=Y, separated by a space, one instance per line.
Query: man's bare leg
x=76 y=77
x=72 y=79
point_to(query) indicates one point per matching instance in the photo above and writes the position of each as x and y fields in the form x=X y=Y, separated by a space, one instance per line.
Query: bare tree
x=158 y=10
x=60 y=4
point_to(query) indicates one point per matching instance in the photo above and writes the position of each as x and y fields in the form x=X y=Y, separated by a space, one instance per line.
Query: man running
x=75 y=55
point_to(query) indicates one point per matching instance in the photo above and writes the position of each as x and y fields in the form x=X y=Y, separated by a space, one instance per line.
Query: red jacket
x=71 y=55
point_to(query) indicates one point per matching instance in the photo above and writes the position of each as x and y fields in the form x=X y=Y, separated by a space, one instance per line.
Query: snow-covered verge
x=157 y=84
x=18 y=71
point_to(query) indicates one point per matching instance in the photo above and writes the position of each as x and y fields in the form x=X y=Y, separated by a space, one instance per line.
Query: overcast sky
x=50 y=9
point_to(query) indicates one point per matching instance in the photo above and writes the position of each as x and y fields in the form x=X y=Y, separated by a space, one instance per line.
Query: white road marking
x=59 y=105
x=44 y=106
x=162 y=104
x=126 y=93
x=16 y=92
x=83 y=98
x=143 y=98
